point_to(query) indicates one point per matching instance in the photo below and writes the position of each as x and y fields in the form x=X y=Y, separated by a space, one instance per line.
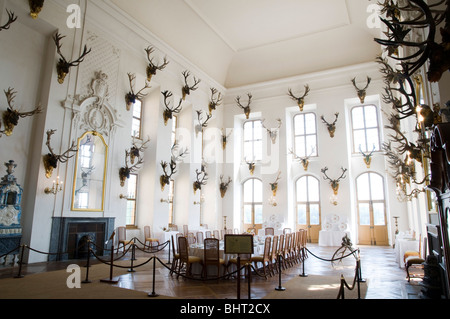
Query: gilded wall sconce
x=361 y=92
x=131 y=96
x=224 y=186
x=300 y=99
x=35 y=7
x=331 y=126
x=246 y=108
x=56 y=187
x=11 y=116
x=186 y=89
x=51 y=159
x=334 y=182
x=63 y=66
x=152 y=67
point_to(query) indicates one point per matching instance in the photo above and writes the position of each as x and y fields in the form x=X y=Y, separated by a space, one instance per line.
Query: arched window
x=305 y=134
x=308 y=206
x=252 y=141
x=365 y=127
x=371 y=209
x=253 y=197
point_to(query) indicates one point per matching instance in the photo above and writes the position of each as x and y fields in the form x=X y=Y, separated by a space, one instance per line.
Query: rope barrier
x=341 y=294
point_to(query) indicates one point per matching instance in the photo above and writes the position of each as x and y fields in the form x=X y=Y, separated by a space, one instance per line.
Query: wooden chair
x=148 y=237
x=185 y=230
x=416 y=253
x=269 y=231
x=244 y=259
x=176 y=257
x=265 y=258
x=191 y=238
x=287 y=230
x=211 y=256
x=122 y=238
x=416 y=260
x=274 y=256
x=208 y=234
x=185 y=258
x=216 y=234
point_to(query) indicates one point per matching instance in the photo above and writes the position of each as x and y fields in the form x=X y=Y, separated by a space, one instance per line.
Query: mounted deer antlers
x=152 y=67
x=274 y=185
x=301 y=99
x=201 y=179
x=225 y=138
x=11 y=115
x=224 y=186
x=51 y=159
x=331 y=126
x=130 y=97
x=35 y=7
x=214 y=101
x=169 y=111
x=334 y=182
x=304 y=160
x=201 y=124
x=186 y=90
x=251 y=166
x=166 y=177
x=125 y=171
x=367 y=157
x=11 y=19
x=273 y=134
x=63 y=66
x=136 y=151
x=361 y=92
x=246 y=108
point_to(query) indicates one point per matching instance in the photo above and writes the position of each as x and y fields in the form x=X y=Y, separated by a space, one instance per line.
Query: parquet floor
x=385 y=279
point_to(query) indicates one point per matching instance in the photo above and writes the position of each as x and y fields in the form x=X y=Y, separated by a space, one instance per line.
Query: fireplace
x=69 y=237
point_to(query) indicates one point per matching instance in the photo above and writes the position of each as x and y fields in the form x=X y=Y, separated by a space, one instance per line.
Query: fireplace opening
x=82 y=247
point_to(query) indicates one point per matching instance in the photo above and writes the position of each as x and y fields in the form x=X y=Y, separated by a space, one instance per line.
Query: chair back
x=269 y=231
x=121 y=233
x=147 y=231
x=287 y=230
x=208 y=234
x=183 y=249
x=228 y=231
x=274 y=246
x=185 y=230
x=191 y=238
x=199 y=237
x=281 y=244
x=267 y=243
x=216 y=234
x=211 y=250
x=173 y=246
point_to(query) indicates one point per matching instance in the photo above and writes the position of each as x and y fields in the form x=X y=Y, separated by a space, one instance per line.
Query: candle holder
x=57 y=187
x=169 y=200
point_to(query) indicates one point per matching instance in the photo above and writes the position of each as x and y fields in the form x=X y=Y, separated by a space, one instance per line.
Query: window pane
x=299 y=124
x=364 y=214
x=357 y=118
x=362 y=184
x=131 y=210
x=377 y=187
x=300 y=146
x=136 y=128
x=248 y=131
x=258 y=214
x=310 y=123
x=258 y=197
x=248 y=191
x=372 y=139
x=248 y=151
x=301 y=190
x=378 y=214
x=371 y=116
x=359 y=140
x=247 y=214
x=301 y=214
x=314 y=216
x=257 y=130
x=258 y=151
x=131 y=191
x=311 y=145
x=313 y=189
x=137 y=109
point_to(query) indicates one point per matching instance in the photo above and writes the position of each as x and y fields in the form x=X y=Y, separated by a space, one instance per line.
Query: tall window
x=173 y=140
x=253 y=140
x=371 y=206
x=137 y=119
x=253 y=203
x=308 y=201
x=305 y=134
x=365 y=128
x=131 y=200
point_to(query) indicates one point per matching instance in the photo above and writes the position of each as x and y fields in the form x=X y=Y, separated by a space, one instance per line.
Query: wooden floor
x=378 y=267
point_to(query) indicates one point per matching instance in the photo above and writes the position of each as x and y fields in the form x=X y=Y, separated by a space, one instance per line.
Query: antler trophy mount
x=11 y=116
x=135 y=150
x=201 y=179
x=225 y=138
x=201 y=123
x=246 y=108
x=11 y=19
x=361 y=92
x=166 y=177
x=367 y=157
x=331 y=126
x=273 y=133
x=169 y=111
x=224 y=186
x=125 y=171
x=186 y=90
x=334 y=182
x=300 y=99
x=304 y=160
x=51 y=159
x=35 y=7
x=152 y=67
x=274 y=185
x=131 y=96
x=63 y=66
x=215 y=101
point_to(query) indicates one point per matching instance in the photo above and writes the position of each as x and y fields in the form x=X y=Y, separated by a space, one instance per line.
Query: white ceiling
x=242 y=42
